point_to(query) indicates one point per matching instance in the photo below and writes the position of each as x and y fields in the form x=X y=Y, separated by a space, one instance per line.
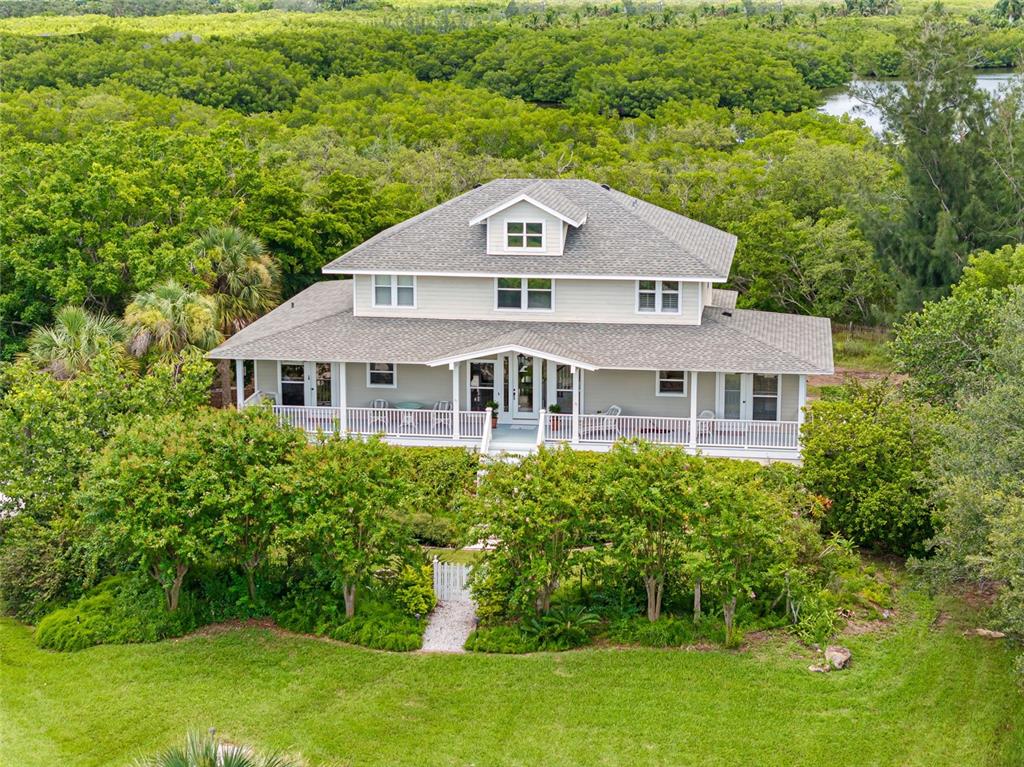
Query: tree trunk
x=729 y=613
x=251 y=582
x=224 y=368
x=174 y=593
x=696 y=600
x=544 y=598
x=655 y=588
x=349 y=589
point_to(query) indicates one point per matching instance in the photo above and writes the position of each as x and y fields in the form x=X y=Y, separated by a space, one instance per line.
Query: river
x=843 y=102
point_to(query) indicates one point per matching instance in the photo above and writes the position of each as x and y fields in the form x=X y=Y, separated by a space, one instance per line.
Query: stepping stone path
x=449 y=626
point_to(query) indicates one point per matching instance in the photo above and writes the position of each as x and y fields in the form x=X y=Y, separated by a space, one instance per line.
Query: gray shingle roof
x=622 y=236
x=318 y=324
x=724 y=299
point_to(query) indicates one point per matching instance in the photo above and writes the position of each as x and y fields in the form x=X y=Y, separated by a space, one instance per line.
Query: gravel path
x=449 y=626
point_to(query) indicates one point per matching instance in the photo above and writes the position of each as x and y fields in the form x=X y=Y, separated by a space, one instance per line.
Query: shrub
x=124 y=609
x=563 y=627
x=209 y=751
x=506 y=639
x=667 y=631
x=415 y=590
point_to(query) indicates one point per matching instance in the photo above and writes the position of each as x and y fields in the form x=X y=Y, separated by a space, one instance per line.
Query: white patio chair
x=606 y=429
x=442 y=416
x=379 y=419
x=705 y=431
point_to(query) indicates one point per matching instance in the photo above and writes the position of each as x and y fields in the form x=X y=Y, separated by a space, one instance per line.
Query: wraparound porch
x=504 y=401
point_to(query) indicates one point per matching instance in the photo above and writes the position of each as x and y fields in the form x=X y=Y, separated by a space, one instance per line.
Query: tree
x=867 y=451
x=539 y=510
x=248 y=456
x=244 y=283
x=76 y=337
x=150 y=490
x=346 y=495
x=651 y=496
x=169 y=319
x=948 y=344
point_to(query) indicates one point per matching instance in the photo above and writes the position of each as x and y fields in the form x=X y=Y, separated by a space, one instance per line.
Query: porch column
x=341 y=368
x=802 y=399
x=575 y=404
x=456 y=431
x=239 y=383
x=694 y=375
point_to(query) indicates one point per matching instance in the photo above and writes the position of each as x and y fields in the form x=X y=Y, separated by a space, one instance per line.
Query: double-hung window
x=394 y=290
x=671 y=383
x=524 y=235
x=658 y=296
x=530 y=293
x=381 y=374
x=765 y=405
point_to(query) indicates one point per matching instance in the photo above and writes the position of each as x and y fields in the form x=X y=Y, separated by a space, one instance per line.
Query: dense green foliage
x=123 y=142
x=867 y=451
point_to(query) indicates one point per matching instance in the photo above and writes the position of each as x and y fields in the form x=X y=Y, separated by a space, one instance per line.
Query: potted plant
x=494 y=413
x=555 y=409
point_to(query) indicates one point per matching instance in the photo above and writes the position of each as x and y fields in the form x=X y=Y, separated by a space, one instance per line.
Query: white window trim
x=394 y=292
x=394 y=376
x=658 y=379
x=778 y=396
x=524 y=221
x=658 y=293
x=523 y=290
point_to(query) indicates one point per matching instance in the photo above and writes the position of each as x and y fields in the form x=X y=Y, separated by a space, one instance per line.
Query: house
x=538 y=296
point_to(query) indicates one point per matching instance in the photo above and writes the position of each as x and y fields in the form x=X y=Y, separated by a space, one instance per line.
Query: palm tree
x=76 y=336
x=169 y=319
x=210 y=751
x=244 y=283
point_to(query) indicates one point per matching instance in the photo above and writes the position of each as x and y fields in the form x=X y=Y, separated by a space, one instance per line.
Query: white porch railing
x=311 y=419
x=725 y=432
x=391 y=422
x=711 y=432
x=608 y=428
x=471 y=423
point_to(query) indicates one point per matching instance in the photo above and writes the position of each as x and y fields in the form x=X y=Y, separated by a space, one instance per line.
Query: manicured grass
x=862 y=349
x=916 y=695
x=463 y=556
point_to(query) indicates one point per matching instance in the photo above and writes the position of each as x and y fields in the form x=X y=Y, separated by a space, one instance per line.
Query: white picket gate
x=450 y=581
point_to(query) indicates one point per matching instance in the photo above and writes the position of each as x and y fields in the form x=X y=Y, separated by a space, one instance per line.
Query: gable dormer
x=535 y=221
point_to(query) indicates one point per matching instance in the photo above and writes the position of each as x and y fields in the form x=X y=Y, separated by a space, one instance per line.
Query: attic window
x=524 y=235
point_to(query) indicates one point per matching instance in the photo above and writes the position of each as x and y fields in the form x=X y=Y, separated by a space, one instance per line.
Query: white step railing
x=557 y=427
x=485 y=438
x=726 y=432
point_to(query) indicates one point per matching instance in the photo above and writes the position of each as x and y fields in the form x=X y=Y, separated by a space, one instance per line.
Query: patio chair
x=379 y=420
x=607 y=427
x=705 y=431
x=441 y=418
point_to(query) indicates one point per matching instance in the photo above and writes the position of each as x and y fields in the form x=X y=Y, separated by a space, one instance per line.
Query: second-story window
x=658 y=296
x=524 y=293
x=394 y=290
x=524 y=234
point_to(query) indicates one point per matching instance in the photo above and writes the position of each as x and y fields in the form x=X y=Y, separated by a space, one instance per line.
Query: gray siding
x=266 y=376
x=575 y=300
x=789 y=405
x=633 y=391
x=416 y=383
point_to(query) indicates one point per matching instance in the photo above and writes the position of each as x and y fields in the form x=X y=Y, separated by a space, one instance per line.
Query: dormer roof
x=624 y=238
x=544 y=196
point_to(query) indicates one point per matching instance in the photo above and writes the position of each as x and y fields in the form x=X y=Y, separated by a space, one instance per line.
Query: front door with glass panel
x=306 y=384
x=522 y=387
x=749 y=396
x=481 y=384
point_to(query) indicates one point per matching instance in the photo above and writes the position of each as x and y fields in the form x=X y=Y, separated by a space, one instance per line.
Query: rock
x=985 y=633
x=837 y=657
x=818 y=669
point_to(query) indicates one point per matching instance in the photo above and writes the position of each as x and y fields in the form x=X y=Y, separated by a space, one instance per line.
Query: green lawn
x=915 y=696
x=862 y=349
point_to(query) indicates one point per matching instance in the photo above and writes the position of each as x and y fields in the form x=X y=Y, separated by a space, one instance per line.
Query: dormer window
x=524 y=235
x=657 y=296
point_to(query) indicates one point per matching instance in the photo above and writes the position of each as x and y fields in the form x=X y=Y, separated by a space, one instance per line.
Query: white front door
x=306 y=384
x=523 y=387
